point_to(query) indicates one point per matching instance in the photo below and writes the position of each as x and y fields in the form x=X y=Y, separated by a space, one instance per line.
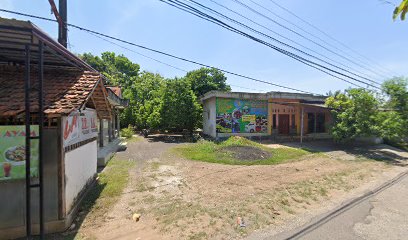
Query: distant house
x=272 y=114
x=80 y=118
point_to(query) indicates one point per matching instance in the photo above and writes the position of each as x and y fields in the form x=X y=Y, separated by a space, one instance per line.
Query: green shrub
x=127 y=132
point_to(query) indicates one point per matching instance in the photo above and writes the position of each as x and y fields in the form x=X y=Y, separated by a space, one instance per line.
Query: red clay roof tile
x=64 y=90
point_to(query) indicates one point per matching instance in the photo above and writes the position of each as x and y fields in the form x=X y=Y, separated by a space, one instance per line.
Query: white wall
x=209 y=117
x=80 y=167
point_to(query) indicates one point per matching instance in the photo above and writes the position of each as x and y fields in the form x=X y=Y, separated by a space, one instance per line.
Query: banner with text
x=79 y=127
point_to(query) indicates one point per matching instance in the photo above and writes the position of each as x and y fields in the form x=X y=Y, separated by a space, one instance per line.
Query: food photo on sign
x=12 y=152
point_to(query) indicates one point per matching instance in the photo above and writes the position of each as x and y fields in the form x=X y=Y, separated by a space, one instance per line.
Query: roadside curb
x=348 y=204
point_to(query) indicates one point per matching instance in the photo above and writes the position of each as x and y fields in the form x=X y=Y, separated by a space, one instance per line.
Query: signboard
x=248 y=118
x=12 y=152
x=241 y=116
x=78 y=127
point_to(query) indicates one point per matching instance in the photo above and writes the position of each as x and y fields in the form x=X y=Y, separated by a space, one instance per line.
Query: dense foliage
x=354 y=112
x=156 y=102
x=359 y=112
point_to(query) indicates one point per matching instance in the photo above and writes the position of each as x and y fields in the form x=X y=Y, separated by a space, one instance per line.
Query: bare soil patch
x=247 y=153
x=183 y=199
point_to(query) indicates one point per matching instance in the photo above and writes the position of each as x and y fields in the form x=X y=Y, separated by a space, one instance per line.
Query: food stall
x=51 y=104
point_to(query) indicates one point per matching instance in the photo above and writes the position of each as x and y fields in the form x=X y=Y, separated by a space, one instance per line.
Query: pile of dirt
x=247 y=153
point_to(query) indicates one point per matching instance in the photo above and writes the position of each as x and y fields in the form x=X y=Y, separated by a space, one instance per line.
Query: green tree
x=146 y=94
x=155 y=102
x=397 y=94
x=355 y=114
x=401 y=10
x=204 y=80
x=393 y=121
x=179 y=107
x=118 y=69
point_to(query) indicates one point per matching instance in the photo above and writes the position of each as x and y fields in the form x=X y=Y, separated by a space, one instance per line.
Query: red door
x=283 y=123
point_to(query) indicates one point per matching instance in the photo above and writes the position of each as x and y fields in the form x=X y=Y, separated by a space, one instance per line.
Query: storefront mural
x=78 y=127
x=12 y=152
x=241 y=116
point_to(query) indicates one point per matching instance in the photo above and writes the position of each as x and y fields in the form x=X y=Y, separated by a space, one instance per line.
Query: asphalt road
x=381 y=216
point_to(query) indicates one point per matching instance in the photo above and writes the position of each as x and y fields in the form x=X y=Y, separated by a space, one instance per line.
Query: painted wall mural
x=241 y=116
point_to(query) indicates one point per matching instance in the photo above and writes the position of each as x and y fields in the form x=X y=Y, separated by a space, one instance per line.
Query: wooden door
x=283 y=123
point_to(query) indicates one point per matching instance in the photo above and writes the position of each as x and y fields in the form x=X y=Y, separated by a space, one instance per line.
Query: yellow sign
x=248 y=118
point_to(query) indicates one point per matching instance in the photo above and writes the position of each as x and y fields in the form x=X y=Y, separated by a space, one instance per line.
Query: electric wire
x=281 y=42
x=307 y=38
x=384 y=70
x=286 y=38
x=322 y=68
x=162 y=52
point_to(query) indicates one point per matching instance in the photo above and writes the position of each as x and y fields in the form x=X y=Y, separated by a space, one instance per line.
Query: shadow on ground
x=170 y=138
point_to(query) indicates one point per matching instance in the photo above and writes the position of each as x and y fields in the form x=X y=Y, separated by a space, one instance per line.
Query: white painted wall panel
x=80 y=167
x=209 y=117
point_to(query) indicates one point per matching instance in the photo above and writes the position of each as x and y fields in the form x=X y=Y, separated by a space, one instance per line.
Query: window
x=293 y=120
x=274 y=121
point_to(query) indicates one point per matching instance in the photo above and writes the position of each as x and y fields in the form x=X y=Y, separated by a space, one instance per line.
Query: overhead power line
x=286 y=38
x=330 y=37
x=306 y=38
x=160 y=52
x=166 y=64
x=280 y=42
x=320 y=67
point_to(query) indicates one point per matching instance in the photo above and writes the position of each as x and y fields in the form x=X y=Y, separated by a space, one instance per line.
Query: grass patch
x=108 y=189
x=213 y=152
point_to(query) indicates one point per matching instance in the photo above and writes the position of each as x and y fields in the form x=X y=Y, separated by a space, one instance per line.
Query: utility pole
x=62 y=33
x=61 y=16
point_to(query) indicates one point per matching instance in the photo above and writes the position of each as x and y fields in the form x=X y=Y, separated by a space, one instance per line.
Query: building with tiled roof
x=58 y=139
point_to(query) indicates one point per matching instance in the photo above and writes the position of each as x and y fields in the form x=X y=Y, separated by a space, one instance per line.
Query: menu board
x=79 y=126
x=12 y=152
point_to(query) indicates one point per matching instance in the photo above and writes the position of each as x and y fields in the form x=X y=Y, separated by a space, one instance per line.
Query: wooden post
x=301 y=127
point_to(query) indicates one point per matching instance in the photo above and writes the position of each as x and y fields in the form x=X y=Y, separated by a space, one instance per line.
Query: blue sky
x=365 y=26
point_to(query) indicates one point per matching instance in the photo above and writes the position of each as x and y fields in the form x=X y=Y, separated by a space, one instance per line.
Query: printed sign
x=12 y=152
x=248 y=118
x=78 y=127
x=241 y=116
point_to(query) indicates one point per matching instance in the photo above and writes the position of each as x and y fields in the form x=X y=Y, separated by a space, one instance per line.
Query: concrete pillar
x=118 y=124
x=114 y=124
x=100 y=132
x=110 y=130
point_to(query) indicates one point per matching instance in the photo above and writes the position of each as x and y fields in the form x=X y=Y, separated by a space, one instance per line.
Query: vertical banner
x=78 y=127
x=12 y=152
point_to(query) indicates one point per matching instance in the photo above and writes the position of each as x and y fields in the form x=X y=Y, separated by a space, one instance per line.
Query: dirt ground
x=182 y=199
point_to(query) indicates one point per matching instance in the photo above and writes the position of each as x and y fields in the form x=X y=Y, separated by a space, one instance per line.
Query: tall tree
x=179 y=107
x=393 y=122
x=397 y=94
x=118 y=69
x=355 y=114
x=204 y=80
